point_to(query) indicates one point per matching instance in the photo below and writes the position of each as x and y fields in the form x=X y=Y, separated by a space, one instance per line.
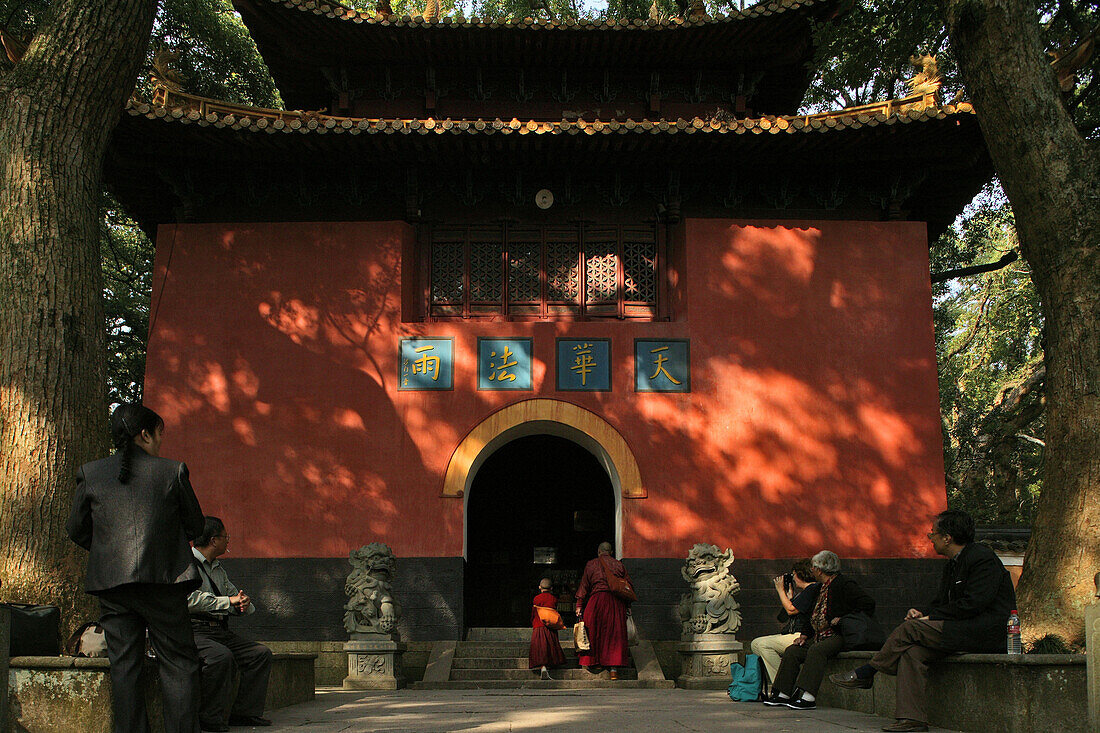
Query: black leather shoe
x=851 y=681
x=799 y=704
x=254 y=720
x=904 y=725
x=776 y=700
x=214 y=727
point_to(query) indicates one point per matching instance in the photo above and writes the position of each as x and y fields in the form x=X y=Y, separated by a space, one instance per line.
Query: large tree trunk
x=57 y=109
x=1052 y=177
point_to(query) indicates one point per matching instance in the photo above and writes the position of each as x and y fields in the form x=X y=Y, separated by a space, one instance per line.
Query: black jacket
x=135 y=532
x=974 y=600
x=845 y=596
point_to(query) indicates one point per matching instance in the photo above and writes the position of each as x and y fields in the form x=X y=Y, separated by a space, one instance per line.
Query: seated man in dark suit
x=220 y=649
x=968 y=614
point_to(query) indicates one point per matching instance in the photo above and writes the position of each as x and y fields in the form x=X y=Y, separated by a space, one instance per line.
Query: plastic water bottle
x=1015 y=646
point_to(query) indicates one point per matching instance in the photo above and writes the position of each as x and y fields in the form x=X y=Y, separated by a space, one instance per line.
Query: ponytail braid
x=126 y=453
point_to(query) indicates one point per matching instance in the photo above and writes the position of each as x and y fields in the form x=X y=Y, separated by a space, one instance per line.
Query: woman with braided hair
x=136 y=513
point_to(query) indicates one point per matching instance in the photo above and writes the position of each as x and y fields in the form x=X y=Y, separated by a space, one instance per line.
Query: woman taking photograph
x=797 y=591
x=803 y=664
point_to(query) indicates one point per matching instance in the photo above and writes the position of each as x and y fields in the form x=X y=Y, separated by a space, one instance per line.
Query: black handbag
x=791 y=624
x=861 y=632
x=35 y=630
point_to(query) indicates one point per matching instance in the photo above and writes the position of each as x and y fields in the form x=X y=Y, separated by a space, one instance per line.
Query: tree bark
x=1052 y=178
x=58 y=106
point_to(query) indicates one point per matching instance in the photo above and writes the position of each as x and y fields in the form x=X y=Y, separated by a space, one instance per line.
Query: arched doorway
x=537 y=506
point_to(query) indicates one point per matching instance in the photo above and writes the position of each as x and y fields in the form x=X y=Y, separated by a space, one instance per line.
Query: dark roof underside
x=775 y=40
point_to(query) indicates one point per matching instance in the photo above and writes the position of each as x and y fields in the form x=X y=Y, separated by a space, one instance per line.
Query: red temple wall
x=813 y=419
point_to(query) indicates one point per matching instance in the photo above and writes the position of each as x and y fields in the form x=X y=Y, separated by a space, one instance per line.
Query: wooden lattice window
x=543 y=272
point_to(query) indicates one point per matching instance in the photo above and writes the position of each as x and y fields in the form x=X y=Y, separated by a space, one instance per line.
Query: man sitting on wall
x=968 y=614
x=222 y=652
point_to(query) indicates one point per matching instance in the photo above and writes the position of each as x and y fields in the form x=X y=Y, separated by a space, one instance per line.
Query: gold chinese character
x=584 y=363
x=426 y=364
x=660 y=362
x=501 y=373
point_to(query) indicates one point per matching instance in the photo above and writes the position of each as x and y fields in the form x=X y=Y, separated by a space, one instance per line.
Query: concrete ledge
x=331 y=666
x=1030 y=693
x=73 y=694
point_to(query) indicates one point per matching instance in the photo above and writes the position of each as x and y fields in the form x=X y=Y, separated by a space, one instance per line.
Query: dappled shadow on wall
x=813 y=420
x=262 y=353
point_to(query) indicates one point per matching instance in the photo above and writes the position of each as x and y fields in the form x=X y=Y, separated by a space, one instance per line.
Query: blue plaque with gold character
x=504 y=364
x=584 y=365
x=662 y=365
x=425 y=364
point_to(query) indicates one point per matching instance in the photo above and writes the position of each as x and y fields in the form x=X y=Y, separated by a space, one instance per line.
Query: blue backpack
x=746 y=679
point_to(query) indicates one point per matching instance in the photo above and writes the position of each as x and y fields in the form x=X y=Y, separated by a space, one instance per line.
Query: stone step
x=502 y=663
x=527 y=674
x=522 y=633
x=501 y=649
x=596 y=684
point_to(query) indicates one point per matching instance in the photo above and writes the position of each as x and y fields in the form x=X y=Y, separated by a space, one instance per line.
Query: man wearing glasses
x=222 y=652
x=968 y=614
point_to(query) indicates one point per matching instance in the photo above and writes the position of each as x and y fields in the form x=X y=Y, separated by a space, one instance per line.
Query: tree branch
x=973 y=331
x=1007 y=259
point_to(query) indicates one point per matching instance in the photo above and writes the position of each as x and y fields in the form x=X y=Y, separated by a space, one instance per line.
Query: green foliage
x=863 y=56
x=988 y=342
x=127 y=287
x=20 y=18
x=217 y=56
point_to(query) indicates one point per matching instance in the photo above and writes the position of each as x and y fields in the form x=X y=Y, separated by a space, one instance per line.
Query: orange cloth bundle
x=550 y=617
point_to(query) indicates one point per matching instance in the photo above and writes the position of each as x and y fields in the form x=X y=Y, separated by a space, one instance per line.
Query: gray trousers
x=804 y=666
x=906 y=653
x=223 y=653
x=128 y=611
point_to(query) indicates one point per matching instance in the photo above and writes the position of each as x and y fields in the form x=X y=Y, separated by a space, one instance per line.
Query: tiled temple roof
x=189 y=109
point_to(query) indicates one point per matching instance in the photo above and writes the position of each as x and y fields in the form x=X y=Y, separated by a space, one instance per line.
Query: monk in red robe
x=604 y=613
x=545 y=648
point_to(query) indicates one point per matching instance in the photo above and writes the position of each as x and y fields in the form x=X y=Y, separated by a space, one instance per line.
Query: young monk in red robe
x=545 y=648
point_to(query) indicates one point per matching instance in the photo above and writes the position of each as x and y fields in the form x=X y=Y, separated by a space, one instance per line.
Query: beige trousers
x=770 y=650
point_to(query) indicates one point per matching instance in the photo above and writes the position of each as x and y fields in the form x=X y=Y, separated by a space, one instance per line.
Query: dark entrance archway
x=536 y=499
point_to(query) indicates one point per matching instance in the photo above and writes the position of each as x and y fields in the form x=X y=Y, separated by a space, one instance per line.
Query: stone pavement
x=496 y=711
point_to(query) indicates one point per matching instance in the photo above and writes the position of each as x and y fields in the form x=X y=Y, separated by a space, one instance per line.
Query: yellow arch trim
x=542 y=410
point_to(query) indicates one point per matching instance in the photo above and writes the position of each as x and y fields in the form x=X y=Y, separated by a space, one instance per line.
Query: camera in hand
x=788 y=581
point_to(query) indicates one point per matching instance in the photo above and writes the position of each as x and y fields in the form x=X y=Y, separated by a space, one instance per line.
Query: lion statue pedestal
x=374 y=662
x=710 y=619
x=370 y=618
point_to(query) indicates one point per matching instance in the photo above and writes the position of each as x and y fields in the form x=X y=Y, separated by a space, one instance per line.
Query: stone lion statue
x=709 y=608
x=371 y=608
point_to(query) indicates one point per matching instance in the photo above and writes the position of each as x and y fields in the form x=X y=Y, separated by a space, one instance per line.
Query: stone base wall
x=1031 y=693
x=331 y=665
x=73 y=695
x=302 y=599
